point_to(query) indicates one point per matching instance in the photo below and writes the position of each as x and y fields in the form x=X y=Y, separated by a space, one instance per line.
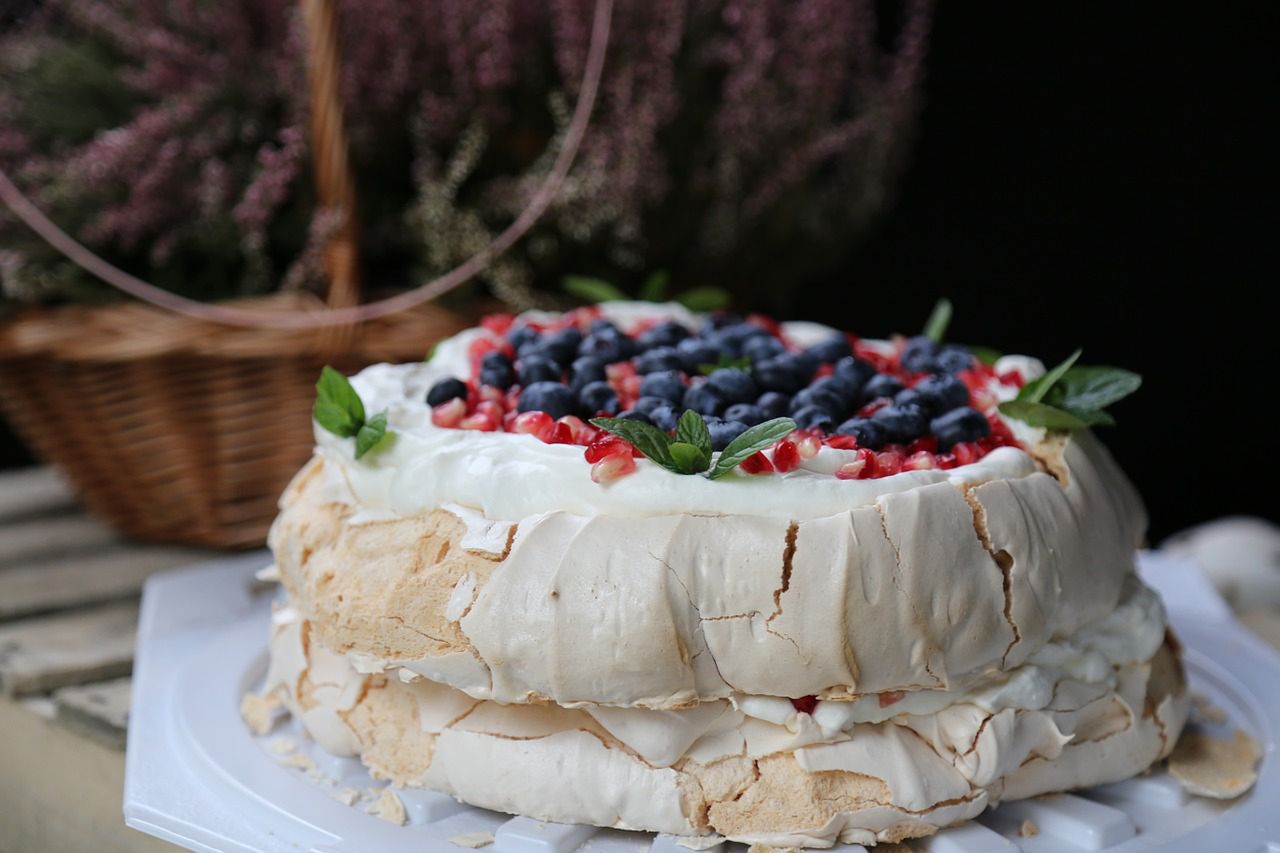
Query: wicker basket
x=178 y=431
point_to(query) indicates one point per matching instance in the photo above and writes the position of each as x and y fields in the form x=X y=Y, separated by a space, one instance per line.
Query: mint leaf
x=591 y=289
x=935 y=329
x=1092 y=417
x=372 y=435
x=1035 y=390
x=704 y=299
x=692 y=429
x=1040 y=415
x=743 y=363
x=986 y=355
x=338 y=408
x=654 y=288
x=431 y=353
x=688 y=458
x=648 y=439
x=749 y=443
x=1093 y=388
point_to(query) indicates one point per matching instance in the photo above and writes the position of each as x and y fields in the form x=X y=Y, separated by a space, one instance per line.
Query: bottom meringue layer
x=713 y=770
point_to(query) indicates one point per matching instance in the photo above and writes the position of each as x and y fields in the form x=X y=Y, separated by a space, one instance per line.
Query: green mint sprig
x=652 y=289
x=1072 y=396
x=689 y=451
x=339 y=409
x=935 y=328
x=725 y=360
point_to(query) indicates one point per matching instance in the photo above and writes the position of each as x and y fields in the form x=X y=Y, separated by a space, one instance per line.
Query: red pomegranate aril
x=805 y=704
x=972 y=379
x=786 y=457
x=509 y=420
x=449 y=414
x=874 y=406
x=807 y=442
x=479 y=421
x=889 y=462
x=1011 y=377
x=982 y=399
x=945 y=460
x=628 y=389
x=499 y=324
x=824 y=370
x=921 y=460
x=928 y=444
x=841 y=442
x=562 y=434
x=537 y=424
x=605 y=446
x=862 y=468
x=767 y=323
x=611 y=468
x=891 y=697
x=492 y=394
x=619 y=370
x=491 y=410
x=966 y=452
x=581 y=431
x=757 y=463
x=512 y=398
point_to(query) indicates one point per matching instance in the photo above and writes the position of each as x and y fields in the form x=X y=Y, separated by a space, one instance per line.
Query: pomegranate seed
x=611 y=468
x=757 y=463
x=628 y=388
x=807 y=442
x=479 y=421
x=537 y=424
x=563 y=434
x=982 y=400
x=891 y=698
x=513 y=398
x=493 y=394
x=619 y=370
x=499 y=324
x=765 y=322
x=449 y=414
x=580 y=430
x=509 y=420
x=805 y=704
x=644 y=325
x=841 y=442
x=945 y=460
x=824 y=370
x=605 y=446
x=786 y=457
x=491 y=410
x=1011 y=377
x=874 y=406
x=862 y=468
x=966 y=452
x=921 y=460
x=972 y=379
x=929 y=444
x=889 y=462
x=878 y=361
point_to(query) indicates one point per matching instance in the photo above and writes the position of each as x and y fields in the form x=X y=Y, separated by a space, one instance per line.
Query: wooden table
x=69 y=591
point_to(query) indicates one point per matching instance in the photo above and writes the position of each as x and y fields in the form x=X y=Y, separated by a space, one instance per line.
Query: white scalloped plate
x=197 y=777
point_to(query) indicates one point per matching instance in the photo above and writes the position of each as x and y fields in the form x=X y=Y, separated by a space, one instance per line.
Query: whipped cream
x=428 y=466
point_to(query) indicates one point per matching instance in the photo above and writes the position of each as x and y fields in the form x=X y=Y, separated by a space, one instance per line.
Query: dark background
x=1099 y=175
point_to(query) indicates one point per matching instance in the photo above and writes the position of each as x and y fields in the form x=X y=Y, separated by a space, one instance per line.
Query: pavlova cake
x=721 y=577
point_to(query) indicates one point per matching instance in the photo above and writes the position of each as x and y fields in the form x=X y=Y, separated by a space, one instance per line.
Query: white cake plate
x=197 y=777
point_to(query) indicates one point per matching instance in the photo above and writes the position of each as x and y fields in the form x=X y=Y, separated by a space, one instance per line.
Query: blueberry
x=521 y=335
x=912 y=397
x=634 y=415
x=813 y=417
x=600 y=324
x=496 y=370
x=550 y=397
x=695 y=352
x=659 y=358
x=585 y=370
x=668 y=384
x=784 y=373
x=854 y=371
x=902 y=424
x=953 y=359
x=702 y=400
x=842 y=389
x=664 y=418
x=662 y=335
x=881 y=385
x=563 y=345
x=831 y=350
x=957 y=425
x=773 y=404
x=823 y=398
x=446 y=390
x=608 y=346
x=733 y=385
x=919 y=355
x=718 y=320
x=538 y=368
x=746 y=413
x=645 y=405
x=723 y=432
x=942 y=392
x=869 y=434
x=598 y=397
x=762 y=348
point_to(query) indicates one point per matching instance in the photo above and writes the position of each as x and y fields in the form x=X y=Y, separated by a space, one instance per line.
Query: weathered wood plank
x=117 y=572
x=41 y=654
x=99 y=710
x=48 y=538
x=30 y=492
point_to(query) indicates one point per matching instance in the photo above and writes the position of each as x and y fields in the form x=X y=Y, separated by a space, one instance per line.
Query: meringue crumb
x=347 y=796
x=700 y=842
x=283 y=745
x=259 y=712
x=372 y=793
x=1206 y=710
x=389 y=808
x=1029 y=829
x=268 y=574
x=1209 y=767
x=472 y=840
x=300 y=761
x=765 y=848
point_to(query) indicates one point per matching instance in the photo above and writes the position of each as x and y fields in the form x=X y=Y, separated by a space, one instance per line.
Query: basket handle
x=229 y=315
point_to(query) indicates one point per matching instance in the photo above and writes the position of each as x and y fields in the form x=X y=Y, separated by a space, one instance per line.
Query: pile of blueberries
x=563 y=373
